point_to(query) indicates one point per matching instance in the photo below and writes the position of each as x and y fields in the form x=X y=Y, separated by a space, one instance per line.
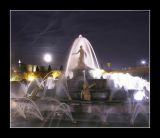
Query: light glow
x=56 y=74
x=19 y=61
x=143 y=62
x=47 y=58
x=97 y=73
x=118 y=80
x=31 y=77
x=138 y=96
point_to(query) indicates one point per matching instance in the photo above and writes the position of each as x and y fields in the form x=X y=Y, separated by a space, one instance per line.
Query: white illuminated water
x=115 y=81
x=90 y=58
x=127 y=81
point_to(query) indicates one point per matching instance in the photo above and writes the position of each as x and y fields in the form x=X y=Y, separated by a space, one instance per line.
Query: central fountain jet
x=81 y=57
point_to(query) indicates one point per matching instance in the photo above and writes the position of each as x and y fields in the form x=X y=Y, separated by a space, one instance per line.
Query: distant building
x=43 y=68
x=27 y=68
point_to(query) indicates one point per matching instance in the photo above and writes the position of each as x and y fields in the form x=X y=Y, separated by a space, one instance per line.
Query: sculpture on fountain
x=86 y=60
x=85 y=93
x=81 y=64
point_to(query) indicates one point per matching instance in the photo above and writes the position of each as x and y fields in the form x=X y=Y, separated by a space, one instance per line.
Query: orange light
x=56 y=74
x=31 y=77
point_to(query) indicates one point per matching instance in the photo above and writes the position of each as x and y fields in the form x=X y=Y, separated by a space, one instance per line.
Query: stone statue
x=85 y=93
x=81 y=63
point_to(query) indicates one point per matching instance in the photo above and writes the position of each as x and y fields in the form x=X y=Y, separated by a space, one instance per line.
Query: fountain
x=84 y=96
x=36 y=101
x=86 y=60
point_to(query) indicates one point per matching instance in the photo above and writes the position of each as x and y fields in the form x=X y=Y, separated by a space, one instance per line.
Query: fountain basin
x=91 y=114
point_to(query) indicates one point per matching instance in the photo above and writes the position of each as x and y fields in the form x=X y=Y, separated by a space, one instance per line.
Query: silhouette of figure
x=81 y=57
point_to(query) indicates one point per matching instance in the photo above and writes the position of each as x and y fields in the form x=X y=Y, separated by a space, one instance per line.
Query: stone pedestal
x=80 y=72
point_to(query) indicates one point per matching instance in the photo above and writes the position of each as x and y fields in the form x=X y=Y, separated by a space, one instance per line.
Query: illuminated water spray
x=90 y=58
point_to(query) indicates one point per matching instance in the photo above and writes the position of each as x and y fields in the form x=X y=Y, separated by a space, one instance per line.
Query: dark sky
x=119 y=37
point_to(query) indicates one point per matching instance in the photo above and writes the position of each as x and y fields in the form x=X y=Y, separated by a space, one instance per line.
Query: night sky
x=119 y=37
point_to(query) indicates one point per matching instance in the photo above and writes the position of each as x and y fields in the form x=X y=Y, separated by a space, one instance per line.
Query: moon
x=47 y=57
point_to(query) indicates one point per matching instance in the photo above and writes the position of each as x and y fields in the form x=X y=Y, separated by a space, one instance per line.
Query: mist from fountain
x=24 y=106
x=62 y=87
x=138 y=108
